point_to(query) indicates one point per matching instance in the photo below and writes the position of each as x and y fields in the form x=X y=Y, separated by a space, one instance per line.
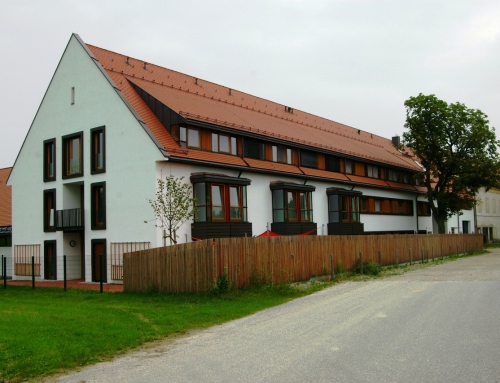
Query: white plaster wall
x=130 y=160
x=259 y=201
x=455 y=221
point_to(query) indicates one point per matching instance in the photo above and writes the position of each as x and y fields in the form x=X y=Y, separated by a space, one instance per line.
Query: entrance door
x=465 y=227
x=50 y=260
x=99 y=260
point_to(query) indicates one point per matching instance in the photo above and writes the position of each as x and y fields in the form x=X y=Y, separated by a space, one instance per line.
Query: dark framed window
x=49 y=160
x=292 y=202
x=372 y=171
x=98 y=159
x=98 y=206
x=332 y=163
x=72 y=155
x=189 y=137
x=308 y=159
x=375 y=205
x=220 y=198
x=343 y=205
x=253 y=148
x=282 y=154
x=224 y=144
x=49 y=210
x=423 y=208
x=348 y=166
x=99 y=260
x=6 y=241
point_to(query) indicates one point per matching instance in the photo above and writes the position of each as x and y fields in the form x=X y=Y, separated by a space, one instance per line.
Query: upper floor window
x=372 y=171
x=49 y=160
x=372 y=205
x=98 y=161
x=348 y=166
x=49 y=210
x=423 y=208
x=220 y=198
x=292 y=203
x=224 y=144
x=253 y=148
x=343 y=206
x=332 y=163
x=73 y=155
x=282 y=154
x=189 y=137
x=308 y=159
x=98 y=206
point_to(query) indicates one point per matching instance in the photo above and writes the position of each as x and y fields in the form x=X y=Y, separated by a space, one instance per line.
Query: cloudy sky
x=351 y=61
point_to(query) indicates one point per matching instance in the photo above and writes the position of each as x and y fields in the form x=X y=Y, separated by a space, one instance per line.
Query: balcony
x=69 y=219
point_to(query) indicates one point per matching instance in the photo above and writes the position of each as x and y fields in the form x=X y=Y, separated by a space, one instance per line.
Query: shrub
x=369 y=268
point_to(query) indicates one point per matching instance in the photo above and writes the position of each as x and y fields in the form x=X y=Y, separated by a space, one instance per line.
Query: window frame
x=369 y=171
x=281 y=151
x=225 y=185
x=303 y=207
x=186 y=142
x=340 y=205
x=93 y=147
x=49 y=193
x=46 y=177
x=232 y=143
x=387 y=206
x=66 y=161
x=94 y=203
x=424 y=209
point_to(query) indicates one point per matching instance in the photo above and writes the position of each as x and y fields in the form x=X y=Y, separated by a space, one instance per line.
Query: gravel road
x=438 y=324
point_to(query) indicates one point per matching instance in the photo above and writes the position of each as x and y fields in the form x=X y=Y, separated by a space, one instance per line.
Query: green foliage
x=458 y=150
x=173 y=205
x=222 y=286
x=369 y=268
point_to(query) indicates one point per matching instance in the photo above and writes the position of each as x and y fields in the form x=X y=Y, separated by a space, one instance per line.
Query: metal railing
x=69 y=219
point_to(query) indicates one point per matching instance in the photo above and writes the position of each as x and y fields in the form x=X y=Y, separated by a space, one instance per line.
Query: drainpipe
x=416 y=210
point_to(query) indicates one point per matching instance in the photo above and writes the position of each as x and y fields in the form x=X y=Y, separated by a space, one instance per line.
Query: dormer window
x=372 y=171
x=348 y=166
x=189 y=137
x=282 y=154
x=224 y=144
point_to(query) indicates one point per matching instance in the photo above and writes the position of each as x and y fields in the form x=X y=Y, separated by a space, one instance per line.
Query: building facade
x=109 y=126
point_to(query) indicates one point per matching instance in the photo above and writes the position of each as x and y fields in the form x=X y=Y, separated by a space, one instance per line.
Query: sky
x=351 y=61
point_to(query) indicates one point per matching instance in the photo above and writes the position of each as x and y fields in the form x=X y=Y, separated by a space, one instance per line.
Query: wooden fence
x=22 y=259
x=195 y=267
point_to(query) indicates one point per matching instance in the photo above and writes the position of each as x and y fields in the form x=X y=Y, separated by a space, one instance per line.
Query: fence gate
x=22 y=259
x=117 y=249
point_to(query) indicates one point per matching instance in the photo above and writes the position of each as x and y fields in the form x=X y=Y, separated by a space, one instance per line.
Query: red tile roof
x=5 y=198
x=201 y=100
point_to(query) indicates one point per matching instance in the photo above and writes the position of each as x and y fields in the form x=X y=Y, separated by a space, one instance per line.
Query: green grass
x=47 y=330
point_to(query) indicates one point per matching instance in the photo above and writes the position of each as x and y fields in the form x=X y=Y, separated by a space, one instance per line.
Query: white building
x=109 y=126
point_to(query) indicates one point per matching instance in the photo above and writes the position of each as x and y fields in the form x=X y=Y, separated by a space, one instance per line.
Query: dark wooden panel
x=293 y=228
x=207 y=230
x=346 y=229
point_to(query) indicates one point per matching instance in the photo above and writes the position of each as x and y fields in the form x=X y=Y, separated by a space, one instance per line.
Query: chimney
x=396 y=141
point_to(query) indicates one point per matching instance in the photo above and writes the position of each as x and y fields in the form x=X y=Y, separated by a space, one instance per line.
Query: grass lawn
x=47 y=330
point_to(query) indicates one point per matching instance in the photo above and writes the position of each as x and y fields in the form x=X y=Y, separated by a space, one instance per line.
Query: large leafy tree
x=458 y=150
x=172 y=206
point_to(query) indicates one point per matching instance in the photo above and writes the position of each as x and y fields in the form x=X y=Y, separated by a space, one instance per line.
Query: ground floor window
x=292 y=202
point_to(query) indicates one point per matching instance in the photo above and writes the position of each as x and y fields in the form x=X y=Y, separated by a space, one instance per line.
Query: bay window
x=344 y=211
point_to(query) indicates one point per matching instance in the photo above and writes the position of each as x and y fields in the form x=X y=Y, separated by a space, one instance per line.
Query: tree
x=173 y=206
x=458 y=150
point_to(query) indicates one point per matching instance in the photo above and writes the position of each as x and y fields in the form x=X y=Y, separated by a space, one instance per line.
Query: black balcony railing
x=69 y=219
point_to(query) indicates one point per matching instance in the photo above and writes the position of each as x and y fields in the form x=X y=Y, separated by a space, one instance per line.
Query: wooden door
x=50 y=260
x=98 y=263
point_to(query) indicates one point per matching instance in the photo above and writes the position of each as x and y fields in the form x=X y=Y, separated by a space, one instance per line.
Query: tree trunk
x=441 y=225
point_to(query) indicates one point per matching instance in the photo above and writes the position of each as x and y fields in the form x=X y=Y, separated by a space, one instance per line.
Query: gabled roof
x=5 y=198
x=203 y=101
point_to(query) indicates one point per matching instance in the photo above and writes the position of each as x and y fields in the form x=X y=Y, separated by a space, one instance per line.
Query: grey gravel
x=437 y=324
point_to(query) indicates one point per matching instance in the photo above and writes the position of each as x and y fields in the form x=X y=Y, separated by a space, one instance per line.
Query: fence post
x=361 y=262
x=4 y=267
x=442 y=253
x=33 y=271
x=100 y=273
x=410 y=256
x=422 y=254
x=396 y=257
x=64 y=271
x=457 y=250
x=432 y=253
x=380 y=258
x=332 y=272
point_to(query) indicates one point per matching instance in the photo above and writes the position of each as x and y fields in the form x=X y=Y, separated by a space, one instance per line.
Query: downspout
x=416 y=210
